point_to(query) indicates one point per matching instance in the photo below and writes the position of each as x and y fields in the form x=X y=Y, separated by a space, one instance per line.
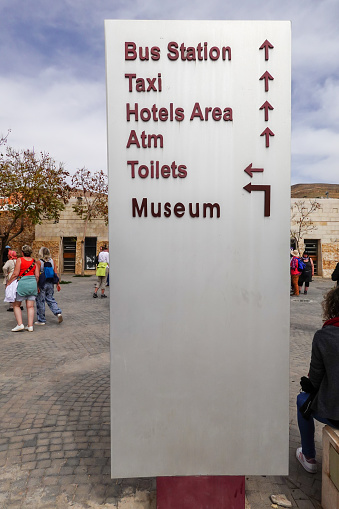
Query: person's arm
x=5 y=269
x=16 y=271
x=317 y=366
x=37 y=270
x=335 y=273
x=58 y=287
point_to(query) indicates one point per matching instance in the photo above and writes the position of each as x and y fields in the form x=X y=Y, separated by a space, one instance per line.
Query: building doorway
x=69 y=253
x=311 y=246
x=90 y=252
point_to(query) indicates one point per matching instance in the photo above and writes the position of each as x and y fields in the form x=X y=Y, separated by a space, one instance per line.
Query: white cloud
x=61 y=116
x=52 y=80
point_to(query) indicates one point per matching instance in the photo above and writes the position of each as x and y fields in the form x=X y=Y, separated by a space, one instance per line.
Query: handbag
x=42 y=279
x=307 y=386
x=305 y=408
x=101 y=269
x=10 y=291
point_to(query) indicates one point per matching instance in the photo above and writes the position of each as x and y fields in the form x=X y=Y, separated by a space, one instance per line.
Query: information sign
x=199 y=176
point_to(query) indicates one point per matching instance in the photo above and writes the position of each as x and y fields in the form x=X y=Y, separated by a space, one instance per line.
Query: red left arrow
x=267 y=190
x=267 y=133
x=249 y=170
x=266 y=45
x=266 y=106
x=266 y=76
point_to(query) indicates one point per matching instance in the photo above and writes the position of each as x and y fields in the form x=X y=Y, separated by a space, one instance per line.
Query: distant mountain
x=315 y=191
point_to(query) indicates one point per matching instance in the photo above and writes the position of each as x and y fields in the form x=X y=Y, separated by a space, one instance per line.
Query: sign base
x=201 y=492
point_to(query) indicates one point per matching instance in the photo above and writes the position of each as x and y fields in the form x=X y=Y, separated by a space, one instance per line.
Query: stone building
x=65 y=238
x=322 y=242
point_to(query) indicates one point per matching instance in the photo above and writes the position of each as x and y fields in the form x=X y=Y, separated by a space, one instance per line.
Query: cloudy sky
x=52 y=74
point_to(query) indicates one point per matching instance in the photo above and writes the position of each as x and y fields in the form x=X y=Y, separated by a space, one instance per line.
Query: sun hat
x=295 y=252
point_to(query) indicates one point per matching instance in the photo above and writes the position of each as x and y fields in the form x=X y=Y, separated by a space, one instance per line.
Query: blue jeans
x=46 y=294
x=306 y=427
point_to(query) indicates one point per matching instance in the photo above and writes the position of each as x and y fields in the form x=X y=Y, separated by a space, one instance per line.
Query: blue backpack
x=48 y=270
x=301 y=264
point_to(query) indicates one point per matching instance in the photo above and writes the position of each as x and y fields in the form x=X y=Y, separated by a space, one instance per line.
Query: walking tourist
x=295 y=272
x=26 y=272
x=321 y=388
x=307 y=273
x=8 y=270
x=102 y=272
x=47 y=278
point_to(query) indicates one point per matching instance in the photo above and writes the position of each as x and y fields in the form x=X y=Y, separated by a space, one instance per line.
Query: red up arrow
x=267 y=190
x=266 y=45
x=266 y=76
x=267 y=133
x=266 y=106
x=249 y=170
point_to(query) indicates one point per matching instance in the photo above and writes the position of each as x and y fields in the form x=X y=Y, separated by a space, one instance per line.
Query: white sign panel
x=199 y=175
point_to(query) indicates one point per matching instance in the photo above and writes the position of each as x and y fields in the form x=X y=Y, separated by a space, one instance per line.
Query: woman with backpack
x=295 y=272
x=26 y=272
x=46 y=288
x=307 y=273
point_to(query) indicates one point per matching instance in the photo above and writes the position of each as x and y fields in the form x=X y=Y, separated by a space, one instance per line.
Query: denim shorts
x=21 y=298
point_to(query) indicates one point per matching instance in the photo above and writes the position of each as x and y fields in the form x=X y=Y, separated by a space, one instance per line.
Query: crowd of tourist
x=30 y=281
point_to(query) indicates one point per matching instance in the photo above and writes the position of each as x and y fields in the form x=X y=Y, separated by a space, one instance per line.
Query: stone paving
x=55 y=411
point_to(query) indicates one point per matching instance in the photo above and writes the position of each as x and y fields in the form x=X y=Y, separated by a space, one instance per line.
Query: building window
x=90 y=252
x=69 y=253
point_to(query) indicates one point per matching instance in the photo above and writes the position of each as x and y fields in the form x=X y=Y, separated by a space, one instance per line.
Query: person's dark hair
x=330 y=304
x=27 y=250
x=305 y=253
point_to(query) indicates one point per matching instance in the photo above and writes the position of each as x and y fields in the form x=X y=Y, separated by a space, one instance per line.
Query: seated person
x=323 y=382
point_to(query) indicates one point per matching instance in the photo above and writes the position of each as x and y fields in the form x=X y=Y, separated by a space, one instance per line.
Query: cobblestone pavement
x=55 y=411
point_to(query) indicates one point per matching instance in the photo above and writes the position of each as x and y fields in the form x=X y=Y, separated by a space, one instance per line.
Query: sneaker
x=18 y=328
x=305 y=292
x=95 y=296
x=103 y=296
x=309 y=465
x=39 y=323
x=29 y=328
x=59 y=317
x=10 y=309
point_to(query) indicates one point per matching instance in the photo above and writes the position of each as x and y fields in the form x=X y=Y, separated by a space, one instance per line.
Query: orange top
x=24 y=266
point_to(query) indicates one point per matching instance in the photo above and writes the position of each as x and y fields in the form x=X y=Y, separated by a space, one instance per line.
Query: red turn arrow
x=267 y=133
x=266 y=45
x=266 y=106
x=266 y=76
x=267 y=190
x=249 y=170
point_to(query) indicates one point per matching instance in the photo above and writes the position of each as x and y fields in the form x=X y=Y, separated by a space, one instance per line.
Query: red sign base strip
x=201 y=492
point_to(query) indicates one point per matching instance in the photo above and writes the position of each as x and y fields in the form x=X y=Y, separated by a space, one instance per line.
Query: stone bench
x=330 y=469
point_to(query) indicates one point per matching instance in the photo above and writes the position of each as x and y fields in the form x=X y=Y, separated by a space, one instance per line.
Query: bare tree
x=301 y=224
x=3 y=139
x=92 y=200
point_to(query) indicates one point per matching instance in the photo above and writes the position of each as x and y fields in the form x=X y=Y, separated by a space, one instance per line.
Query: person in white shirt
x=102 y=272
